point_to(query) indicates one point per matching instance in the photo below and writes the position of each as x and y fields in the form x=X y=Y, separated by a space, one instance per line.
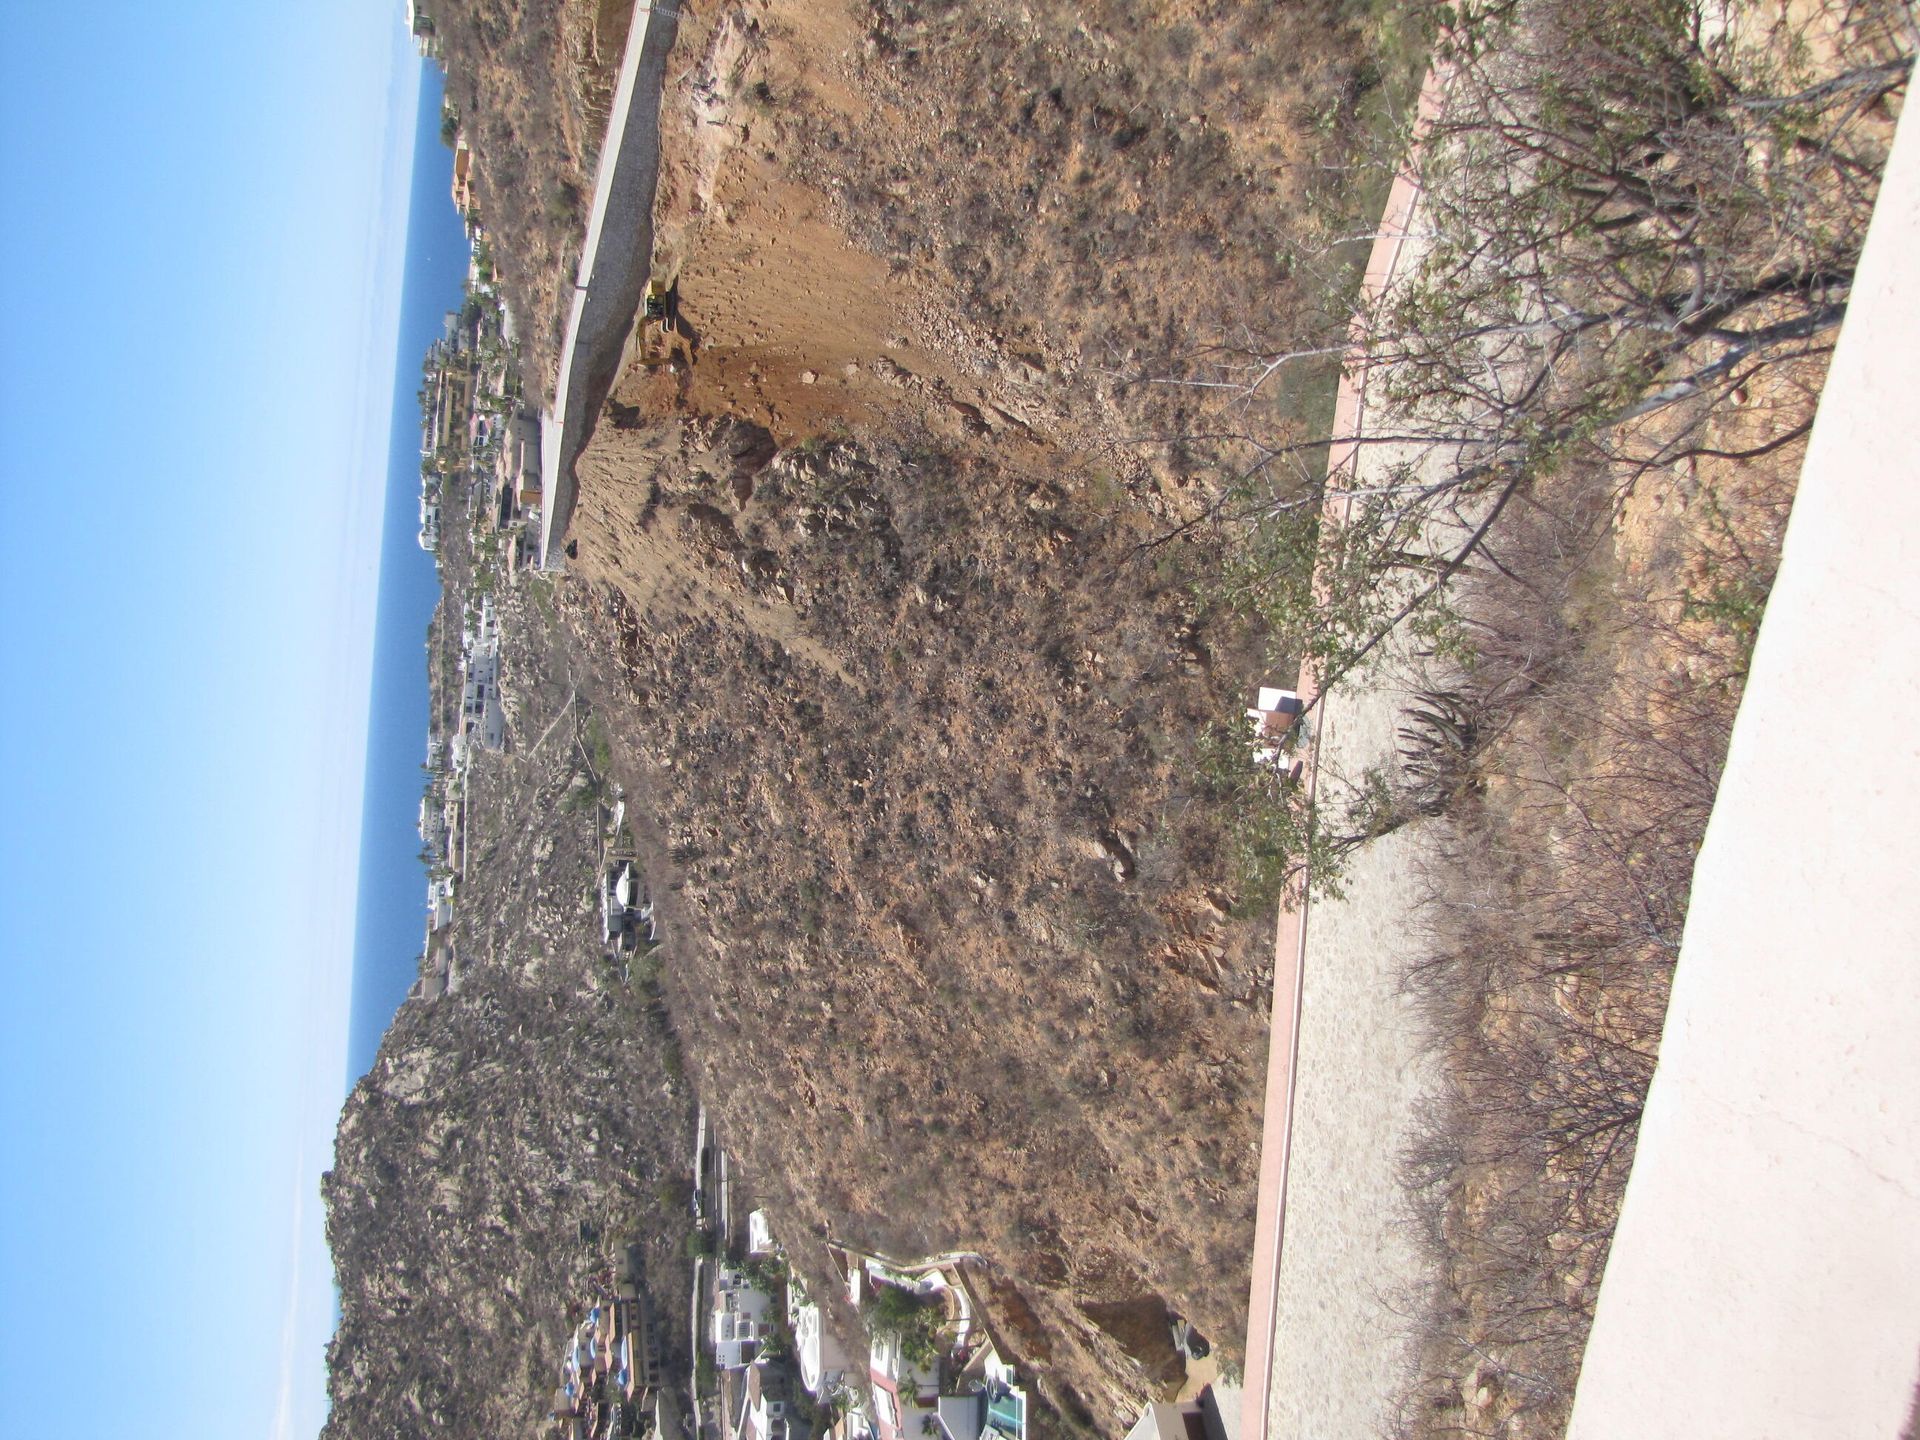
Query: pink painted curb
x=1290 y=939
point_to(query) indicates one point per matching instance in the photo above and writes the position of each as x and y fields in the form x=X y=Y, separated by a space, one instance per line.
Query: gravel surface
x=1351 y=1269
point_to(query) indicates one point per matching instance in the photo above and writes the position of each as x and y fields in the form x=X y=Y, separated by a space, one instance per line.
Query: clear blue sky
x=200 y=256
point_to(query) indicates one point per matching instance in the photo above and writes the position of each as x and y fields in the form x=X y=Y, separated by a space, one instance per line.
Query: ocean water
x=390 y=927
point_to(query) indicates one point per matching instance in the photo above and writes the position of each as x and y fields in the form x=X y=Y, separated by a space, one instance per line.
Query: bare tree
x=1633 y=216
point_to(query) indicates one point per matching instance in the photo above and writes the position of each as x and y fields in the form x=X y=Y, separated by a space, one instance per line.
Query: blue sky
x=199 y=276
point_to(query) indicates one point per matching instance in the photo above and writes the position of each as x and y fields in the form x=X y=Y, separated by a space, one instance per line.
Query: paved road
x=1341 y=1323
x=614 y=262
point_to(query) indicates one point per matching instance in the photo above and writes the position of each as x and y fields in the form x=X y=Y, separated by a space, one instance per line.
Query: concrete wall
x=1765 y=1277
x=614 y=262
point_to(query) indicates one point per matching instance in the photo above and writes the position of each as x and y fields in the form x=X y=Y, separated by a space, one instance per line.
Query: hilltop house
x=463 y=180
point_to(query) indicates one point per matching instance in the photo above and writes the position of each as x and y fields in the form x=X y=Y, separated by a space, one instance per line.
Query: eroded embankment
x=614 y=264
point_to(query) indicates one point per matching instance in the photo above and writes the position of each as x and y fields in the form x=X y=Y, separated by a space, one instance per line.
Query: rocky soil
x=950 y=936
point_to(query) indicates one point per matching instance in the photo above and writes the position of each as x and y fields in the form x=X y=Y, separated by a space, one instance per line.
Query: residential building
x=483 y=720
x=906 y=1392
x=639 y=1357
x=439 y=903
x=766 y=1412
x=463 y=180
x=741 y=1322
x=823 y=1364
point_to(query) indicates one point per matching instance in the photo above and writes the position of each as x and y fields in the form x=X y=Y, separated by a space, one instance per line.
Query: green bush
x=906 y=1318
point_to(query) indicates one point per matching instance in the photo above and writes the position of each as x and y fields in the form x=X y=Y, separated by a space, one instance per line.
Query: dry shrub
x=1555 y=904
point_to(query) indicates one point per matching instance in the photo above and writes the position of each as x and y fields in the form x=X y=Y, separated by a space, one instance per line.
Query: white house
x=760 y=1234
x=905 y=1393
x=740 y=1319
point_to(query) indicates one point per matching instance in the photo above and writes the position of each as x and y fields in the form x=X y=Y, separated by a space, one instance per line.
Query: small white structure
x=483 y=721
x=760 y=1239
x=1275 y=713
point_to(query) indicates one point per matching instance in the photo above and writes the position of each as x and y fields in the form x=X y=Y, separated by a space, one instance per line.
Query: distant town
x=479 y=441
x=770 y=1367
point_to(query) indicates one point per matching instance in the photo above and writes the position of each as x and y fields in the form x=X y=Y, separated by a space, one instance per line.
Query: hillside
x=892 y=629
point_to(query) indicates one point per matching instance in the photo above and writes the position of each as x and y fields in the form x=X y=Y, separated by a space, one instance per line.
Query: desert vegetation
x=946 y=917
x=1598 y=381
x=928 y=716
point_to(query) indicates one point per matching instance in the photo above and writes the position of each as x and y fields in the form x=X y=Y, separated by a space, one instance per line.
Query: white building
x=905 y=1392
x=760 y=1234
x=439 y=903
x=741 y=1320
x=483 y=721
x=823 y=1364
